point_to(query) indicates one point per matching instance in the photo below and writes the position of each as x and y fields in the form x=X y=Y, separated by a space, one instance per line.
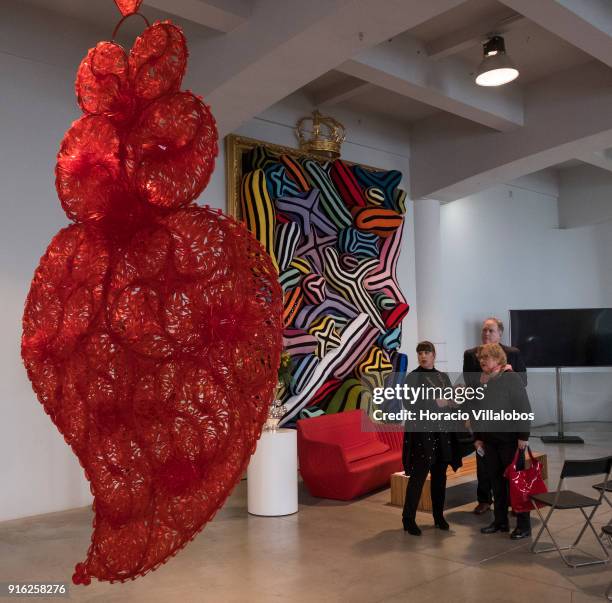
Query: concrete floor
x=330 y=551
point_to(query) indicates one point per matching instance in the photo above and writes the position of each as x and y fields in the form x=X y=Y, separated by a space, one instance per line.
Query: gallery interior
x=239 y=235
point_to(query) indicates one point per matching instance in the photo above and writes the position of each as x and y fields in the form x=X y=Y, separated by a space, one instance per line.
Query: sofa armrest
x=393 y=437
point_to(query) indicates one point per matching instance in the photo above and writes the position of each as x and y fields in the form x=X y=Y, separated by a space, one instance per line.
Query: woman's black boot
x=411 y=527
x=441 y=523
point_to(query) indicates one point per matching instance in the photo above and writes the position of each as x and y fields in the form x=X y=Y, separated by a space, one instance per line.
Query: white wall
x=39 y=54
x=585 y=205
x=585 y=197
x=38 y=59
x=501 y=250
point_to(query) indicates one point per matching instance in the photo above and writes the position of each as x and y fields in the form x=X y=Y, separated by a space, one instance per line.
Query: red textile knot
x=170 y=151
x=128 y=7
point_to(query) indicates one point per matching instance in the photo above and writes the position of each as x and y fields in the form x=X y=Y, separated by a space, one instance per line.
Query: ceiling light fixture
x=496 y=68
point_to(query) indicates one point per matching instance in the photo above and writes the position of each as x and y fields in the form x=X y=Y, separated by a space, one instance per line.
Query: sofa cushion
x=365 y=450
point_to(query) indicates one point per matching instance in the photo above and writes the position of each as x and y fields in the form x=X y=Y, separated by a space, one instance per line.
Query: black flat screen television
x=559 y=338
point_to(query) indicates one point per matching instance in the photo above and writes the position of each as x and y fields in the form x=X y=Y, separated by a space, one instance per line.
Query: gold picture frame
x=236 y=146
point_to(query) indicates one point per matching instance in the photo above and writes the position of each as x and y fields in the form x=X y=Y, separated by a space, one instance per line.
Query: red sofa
x=340 y=460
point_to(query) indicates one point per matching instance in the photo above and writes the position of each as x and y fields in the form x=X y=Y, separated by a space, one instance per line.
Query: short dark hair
x=426 y=346
x=497 y=321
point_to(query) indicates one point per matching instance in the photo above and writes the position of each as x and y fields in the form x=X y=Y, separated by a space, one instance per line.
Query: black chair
x=568 y=499
x=607 y=530
x=606 y=487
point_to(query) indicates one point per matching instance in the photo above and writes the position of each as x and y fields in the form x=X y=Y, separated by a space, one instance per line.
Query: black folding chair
x=607 y=530
x=606 y=487
x=568 y=499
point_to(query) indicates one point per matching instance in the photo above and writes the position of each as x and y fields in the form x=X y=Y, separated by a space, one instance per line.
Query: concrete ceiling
x=535 y=52
x=390 y=104
x=364 y=97
x=570 y=164
x=412 y=62
x=103 y=15
x=460 y=17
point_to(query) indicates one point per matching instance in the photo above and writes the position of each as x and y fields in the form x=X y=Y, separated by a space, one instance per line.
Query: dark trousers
x=483 y=492
x=497 y=457
x=415 y=488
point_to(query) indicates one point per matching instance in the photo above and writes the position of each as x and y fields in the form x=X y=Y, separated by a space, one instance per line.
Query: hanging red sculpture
x=152 y=329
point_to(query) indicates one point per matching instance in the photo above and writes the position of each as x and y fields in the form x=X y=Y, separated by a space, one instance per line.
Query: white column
x=429 y=283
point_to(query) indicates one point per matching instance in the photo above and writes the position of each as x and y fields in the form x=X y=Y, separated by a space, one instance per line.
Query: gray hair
x=497 y=321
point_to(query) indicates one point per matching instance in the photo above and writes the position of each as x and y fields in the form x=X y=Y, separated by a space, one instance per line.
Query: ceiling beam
x=220 y=15
x=584 y=24
x=472 y=35
x=285 y=45
x=402 y=65
x=341 y=92
x=599 y=159
x=567 y=115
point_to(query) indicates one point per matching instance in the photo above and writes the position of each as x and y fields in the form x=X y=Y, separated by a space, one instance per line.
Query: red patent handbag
x=524 y=483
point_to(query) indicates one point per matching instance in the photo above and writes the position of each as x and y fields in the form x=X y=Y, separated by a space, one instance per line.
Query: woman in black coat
x=427 y=452
x=505 y=391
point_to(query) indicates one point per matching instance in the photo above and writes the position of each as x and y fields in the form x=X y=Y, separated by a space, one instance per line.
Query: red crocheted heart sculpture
x=152 y=330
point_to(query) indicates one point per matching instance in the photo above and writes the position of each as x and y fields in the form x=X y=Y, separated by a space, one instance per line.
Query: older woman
x=428 y=452
x=504 y=391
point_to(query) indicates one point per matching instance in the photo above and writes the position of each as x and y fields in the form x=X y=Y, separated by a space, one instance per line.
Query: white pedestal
x=272 y=474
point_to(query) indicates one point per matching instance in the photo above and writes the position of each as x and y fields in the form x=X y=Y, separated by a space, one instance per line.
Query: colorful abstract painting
x=334 y=232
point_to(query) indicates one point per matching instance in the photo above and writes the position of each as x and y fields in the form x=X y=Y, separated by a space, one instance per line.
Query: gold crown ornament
x=326 y=135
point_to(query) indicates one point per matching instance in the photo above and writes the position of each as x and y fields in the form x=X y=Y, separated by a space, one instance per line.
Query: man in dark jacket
x=492 y=331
